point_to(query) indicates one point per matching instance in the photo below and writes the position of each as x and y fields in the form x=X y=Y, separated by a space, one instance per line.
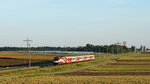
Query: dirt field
x=9 y=62
x=22 y=55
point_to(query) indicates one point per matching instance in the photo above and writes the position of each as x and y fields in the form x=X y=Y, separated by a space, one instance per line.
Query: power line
x=29 y=49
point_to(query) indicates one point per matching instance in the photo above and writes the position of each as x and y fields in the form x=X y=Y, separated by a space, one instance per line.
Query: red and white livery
x=70 y=59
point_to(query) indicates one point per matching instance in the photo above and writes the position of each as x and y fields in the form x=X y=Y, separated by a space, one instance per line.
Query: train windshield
x=56 y=59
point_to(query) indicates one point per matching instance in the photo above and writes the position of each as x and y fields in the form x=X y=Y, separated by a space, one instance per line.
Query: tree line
x=89 y=48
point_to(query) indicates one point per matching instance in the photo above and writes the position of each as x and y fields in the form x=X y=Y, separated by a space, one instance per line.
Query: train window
x=56 y=59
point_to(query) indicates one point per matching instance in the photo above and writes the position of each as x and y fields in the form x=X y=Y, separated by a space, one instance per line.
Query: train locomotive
x=70 y=59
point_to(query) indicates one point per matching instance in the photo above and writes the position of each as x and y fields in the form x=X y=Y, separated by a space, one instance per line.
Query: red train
x=70 y=59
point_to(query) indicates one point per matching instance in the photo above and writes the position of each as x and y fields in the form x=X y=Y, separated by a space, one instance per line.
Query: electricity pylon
x=29 y=49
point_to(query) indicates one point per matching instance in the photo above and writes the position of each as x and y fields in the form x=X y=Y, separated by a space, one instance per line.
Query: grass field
x=62 y=67
x=78 y=80
x=10 y=59
x=136 y=64
x=47 y=69
x=129 y=69
x=136 y=57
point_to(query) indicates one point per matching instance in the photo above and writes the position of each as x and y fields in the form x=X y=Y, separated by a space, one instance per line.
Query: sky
x=74 y=22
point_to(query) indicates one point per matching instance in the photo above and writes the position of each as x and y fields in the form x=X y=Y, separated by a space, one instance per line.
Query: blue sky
x=74 y=22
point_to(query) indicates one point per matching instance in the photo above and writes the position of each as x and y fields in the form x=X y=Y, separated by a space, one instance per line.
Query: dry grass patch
x=77 y=80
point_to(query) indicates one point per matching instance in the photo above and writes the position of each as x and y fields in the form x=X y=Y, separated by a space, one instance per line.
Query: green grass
x=39 y=75
x=136 y=57
x=120 y=68
x=50 y=69
x=7 y=71
x=125 y=68
x=63 y=67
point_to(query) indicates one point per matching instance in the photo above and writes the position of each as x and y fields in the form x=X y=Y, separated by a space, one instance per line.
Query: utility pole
x=29 y=47
x=112 y=49
x=99 y=50
x=107 y=51
x=117 y=46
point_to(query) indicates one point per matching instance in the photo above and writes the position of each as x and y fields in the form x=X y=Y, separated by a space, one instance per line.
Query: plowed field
x=8 y=62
